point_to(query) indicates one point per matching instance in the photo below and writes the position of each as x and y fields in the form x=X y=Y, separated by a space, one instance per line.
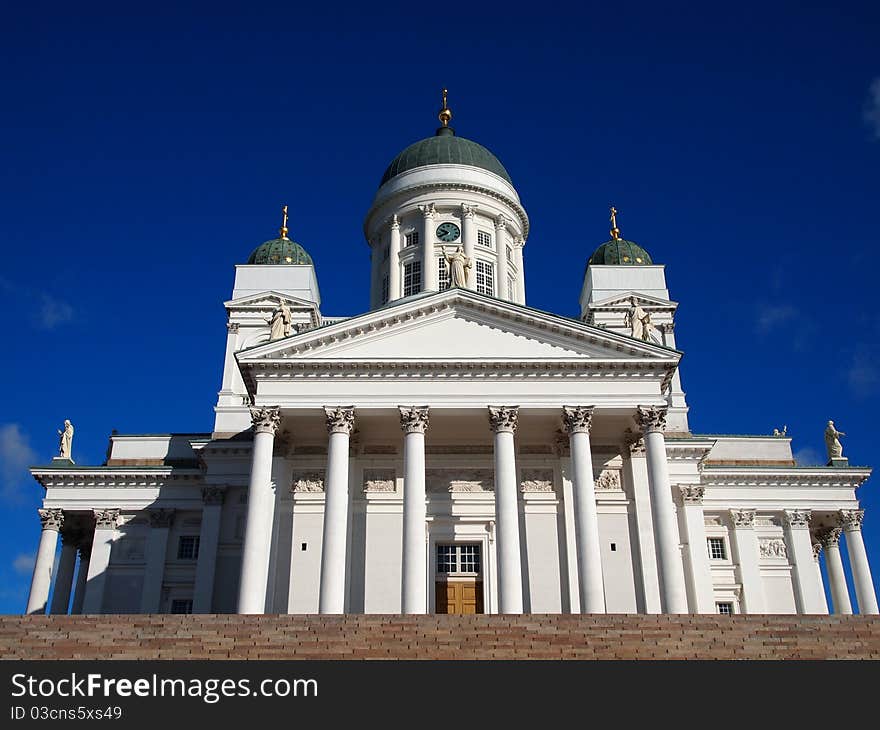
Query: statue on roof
x=639 y=321
x=458 y=266
x=65 y=445
x=280 y=322
x=832 y=441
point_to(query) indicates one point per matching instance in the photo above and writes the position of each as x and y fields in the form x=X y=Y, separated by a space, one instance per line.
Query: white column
x=429 y=262
x=394 y=291
x=501 y=251
x=800 y=551
x=340 y=422
x=64 y=576
x=156 y=549
x=106 y=521
x=414 y=422
x=636 y=473
x=820 y=583
x=830 y=540
x=577 y=421
x=51 y=520
x=851 y=521
x=209 y=537
x=672 y=587
x=700 y=575
x=260 y=512
x=502 y=421
x=469 y=239
x=518 y=245
x=748 y=558
x=82 y=574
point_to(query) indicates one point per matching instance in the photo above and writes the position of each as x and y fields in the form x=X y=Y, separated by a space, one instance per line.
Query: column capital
x=395 y=222
x=635 y=442
x=213 y=495
x=428 y=211
x=339 y=419
x=106 y=519
x=743 y=518
x=651 y=418
x=502 y=419
x=51 y=519
x=692 y=493
x=413 y=419
x=232 y=327
x=817 y=548
x=795 y=518
x=501 y=222
x=851 y=519
x=266 y=420
x=577 y=419
x=519 y=242
x=468 y=210
x=161 y=518
x=829 y=537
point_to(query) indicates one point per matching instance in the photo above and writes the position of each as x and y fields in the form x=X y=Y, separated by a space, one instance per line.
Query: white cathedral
x=451 y=450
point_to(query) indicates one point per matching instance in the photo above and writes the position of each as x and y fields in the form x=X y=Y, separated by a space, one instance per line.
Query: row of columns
x=828 y=539
x=93 y=546
x=577 y=421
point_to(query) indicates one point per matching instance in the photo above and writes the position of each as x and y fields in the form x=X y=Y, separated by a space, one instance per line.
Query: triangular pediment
x=268 y=300
x=623 y=300
x=459 y=325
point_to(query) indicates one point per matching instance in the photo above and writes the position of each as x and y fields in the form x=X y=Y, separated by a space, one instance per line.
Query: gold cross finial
x=283 y=229
x=615 y=231
x=445 y=114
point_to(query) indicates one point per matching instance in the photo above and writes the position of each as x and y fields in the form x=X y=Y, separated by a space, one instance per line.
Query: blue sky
x=146 y=150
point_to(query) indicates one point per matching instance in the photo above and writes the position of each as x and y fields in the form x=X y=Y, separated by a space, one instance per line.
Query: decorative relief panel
x=459 y=480
x=312 y=481
x=379 y=480
x=536 y=480
x=772 y=547
x=608 y=479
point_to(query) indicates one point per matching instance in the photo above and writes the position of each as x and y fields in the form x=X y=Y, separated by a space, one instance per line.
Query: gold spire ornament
x=615 y=231
x=283 y=229
x=445 y=114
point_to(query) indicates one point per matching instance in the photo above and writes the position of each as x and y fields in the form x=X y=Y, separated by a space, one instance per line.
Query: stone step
x=533 y=636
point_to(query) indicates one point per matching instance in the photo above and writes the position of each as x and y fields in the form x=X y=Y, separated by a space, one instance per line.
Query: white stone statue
x=280 y=322
x=66 y=441
x=783 y=432
x=639 y=321
x=458 y=266
x=832 y=441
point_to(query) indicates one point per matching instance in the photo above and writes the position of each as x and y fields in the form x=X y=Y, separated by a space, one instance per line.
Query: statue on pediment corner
x=65 y=442
x=280 y=322
x=832 y=441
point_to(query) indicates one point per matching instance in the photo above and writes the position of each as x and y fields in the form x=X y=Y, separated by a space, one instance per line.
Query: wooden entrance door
x=459 y=596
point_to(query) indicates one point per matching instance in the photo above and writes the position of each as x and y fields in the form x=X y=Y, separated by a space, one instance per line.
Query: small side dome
x=620 y=252
x=280 y=251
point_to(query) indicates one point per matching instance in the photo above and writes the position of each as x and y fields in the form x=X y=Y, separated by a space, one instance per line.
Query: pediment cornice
x=622 y=301
x=267 y=300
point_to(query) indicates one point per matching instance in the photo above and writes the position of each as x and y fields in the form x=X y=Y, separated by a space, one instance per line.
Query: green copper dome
x=620 y=252
x=444 y=149
x=280 y=251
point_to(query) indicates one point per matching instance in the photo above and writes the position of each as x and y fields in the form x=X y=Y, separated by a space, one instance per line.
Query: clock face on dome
x=448 y=232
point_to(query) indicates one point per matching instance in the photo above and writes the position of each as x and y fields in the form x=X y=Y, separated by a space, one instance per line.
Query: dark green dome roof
x=280 y=251
x=620 y=252
x=444 y=149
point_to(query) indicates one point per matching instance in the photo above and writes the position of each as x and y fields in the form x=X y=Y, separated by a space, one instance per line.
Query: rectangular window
x=411 y=239
x=725 y=609
x=188 y=547
x=485 y=278
x=385 y=289
x=458 y=559
x=509 y=254
x=716 y=548
x=484 y=239
x=412 y=278
x=182 y=605
x=442 y=274
x=511 y=289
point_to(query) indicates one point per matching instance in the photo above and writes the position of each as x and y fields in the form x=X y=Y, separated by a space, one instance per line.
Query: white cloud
x=807 y=456
x=54 y=312
x=23 y=563
x=872 y=108
x=863 y=375
x=774 y=315
x=16 y=456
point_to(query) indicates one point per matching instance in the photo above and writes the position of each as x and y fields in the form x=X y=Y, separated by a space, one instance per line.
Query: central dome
x=445 y=148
